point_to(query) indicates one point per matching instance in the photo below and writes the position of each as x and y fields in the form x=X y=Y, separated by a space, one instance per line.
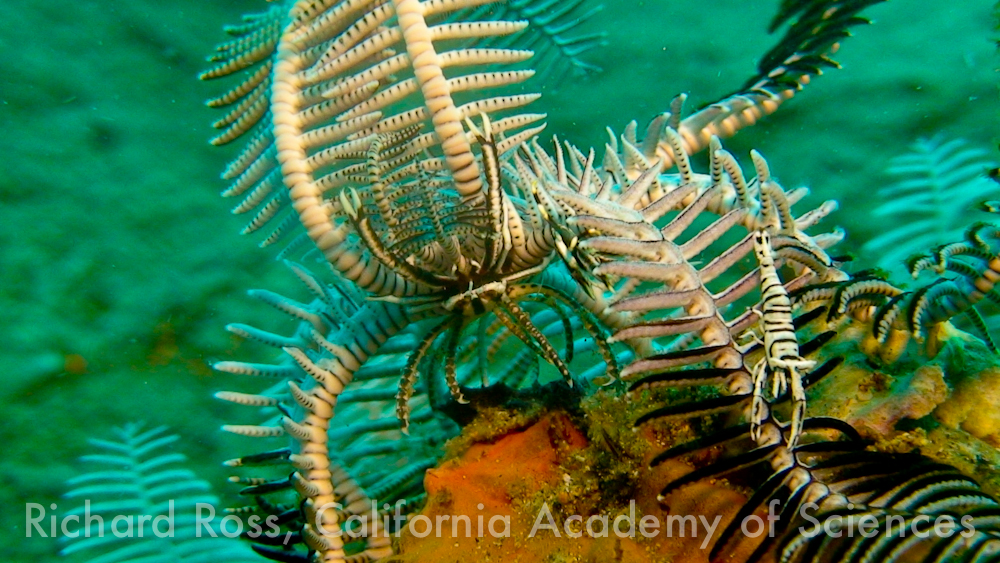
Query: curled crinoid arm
x=921 y=312
x=554 y=298
x=984 y=235
x=859 y=295
x=409 y=376
x=941 y=258
x=375 y=97
x=519 y=323
x=451 y=375
x=895 y=314
x=936 y=260
x=322 y=406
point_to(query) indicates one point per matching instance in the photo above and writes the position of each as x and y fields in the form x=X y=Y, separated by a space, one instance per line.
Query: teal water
x=119 y=263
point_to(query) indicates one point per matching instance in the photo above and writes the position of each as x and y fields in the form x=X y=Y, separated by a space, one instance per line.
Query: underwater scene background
x=120 y=264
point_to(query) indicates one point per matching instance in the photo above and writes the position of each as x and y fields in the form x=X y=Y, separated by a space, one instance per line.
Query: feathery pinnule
x=138 y=474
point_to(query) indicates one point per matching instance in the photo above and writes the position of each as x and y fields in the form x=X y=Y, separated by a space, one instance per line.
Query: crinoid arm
x=901 y=498
x=138 y=473
x=641 y=240
x=966 y=274
x=815 y=29
x=331 y=82
x=933 y=185
x=823 y=492
x=334 y=397
x=553 y=33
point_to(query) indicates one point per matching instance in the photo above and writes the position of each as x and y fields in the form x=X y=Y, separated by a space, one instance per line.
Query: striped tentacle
x=591 y=323
x=545 y=319
x=486 y=355
x=501 y=365
x=409 y=377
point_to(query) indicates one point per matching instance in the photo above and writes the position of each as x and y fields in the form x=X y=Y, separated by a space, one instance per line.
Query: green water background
x=116 y=249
